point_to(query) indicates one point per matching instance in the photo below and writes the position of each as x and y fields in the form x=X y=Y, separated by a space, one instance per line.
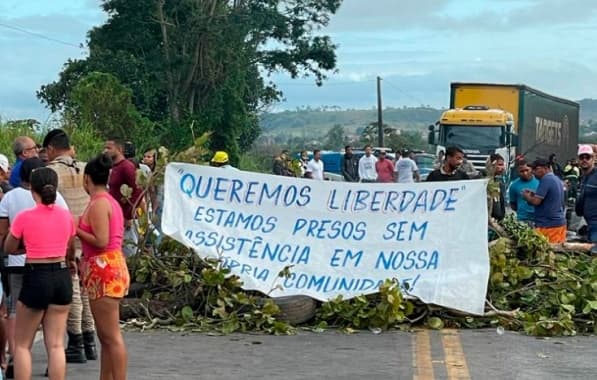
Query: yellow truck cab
x=480 y=130
x=508 y=119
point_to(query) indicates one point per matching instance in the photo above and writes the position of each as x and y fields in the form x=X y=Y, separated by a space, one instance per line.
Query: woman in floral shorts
x=103 y=267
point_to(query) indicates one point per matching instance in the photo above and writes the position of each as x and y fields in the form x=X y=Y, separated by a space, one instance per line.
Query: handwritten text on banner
x=342 y=238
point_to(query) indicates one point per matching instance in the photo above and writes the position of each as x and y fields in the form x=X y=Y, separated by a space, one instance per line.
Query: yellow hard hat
x=220 y=157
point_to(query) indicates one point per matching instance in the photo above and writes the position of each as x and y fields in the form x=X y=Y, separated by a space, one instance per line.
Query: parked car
x=425 y=163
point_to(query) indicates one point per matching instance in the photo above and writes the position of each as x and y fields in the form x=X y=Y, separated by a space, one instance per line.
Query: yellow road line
x=455 y=359
x=421 y=347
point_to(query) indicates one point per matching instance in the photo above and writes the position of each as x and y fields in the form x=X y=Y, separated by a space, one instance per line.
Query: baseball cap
x=220 y=157
x=4 y=163
x=585 y=149
x=540 y=162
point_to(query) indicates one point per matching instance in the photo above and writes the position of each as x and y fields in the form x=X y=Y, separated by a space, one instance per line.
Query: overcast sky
x=417 y=47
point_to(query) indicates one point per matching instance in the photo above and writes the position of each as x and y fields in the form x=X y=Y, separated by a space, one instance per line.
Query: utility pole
x=379 y=115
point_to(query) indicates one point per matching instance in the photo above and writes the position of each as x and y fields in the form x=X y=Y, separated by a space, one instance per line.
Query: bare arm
x=98 y=216
x=11 y=245
x=3 y=229
x=532 y=198
x=70 y=249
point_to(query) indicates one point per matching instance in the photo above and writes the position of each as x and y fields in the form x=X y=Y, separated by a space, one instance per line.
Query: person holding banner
x=449 y=170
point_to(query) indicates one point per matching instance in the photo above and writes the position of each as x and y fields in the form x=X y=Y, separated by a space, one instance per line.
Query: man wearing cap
x=550 y=217
x=220 y=160
x=586 y=203
x=4 y=175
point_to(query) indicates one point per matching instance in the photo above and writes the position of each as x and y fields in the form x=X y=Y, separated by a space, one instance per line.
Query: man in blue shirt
x=550 y=218
x=525 y=212
x=23 y=147
x=586 y=204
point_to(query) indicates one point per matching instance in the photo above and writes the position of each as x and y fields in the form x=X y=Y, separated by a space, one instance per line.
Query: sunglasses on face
x=584 y=157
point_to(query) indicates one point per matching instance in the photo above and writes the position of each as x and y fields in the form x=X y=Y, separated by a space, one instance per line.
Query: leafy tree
x=335 y=138
x=369 y=134
x=204 y=63
x=406 y=140
x=100 y=100
x=393 y=138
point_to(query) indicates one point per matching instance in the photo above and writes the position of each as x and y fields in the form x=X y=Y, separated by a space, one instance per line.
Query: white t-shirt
x=15 y=201
x=405 y=167
x=367 y=169
x=316 y=168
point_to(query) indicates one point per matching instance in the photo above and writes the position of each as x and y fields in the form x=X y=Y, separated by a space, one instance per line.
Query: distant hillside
x=588 y=110
x=316 y=122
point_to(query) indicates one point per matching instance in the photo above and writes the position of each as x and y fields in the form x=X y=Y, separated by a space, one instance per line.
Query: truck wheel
x=295 y=309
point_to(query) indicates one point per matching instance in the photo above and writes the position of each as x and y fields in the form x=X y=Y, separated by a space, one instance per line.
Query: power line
x=325 y=83
x=42 y=36
x=395 y=87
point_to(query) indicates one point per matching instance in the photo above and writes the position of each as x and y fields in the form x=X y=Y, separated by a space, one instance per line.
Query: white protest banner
x=341 y=238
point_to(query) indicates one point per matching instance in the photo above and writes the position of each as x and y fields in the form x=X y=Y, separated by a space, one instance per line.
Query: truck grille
x=478 y=160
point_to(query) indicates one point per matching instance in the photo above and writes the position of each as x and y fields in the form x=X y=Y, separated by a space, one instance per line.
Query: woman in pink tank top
x=103 y=268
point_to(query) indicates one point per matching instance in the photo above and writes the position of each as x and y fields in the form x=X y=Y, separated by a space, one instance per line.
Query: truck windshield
x=472 y=136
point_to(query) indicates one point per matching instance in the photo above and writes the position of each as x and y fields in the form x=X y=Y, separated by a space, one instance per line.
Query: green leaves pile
x=383 y=310
x=556 y=293
x=531 y=289
x=199 y=295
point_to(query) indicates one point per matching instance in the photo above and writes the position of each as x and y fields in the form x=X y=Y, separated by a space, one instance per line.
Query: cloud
x=39 y=37
x=358 y=15
x=458 y=15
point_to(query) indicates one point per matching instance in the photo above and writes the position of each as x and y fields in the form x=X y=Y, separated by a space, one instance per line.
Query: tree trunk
x=172 y=87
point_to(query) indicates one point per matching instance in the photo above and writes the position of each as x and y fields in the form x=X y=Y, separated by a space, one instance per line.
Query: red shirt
x=385 y=170
x=124 y=173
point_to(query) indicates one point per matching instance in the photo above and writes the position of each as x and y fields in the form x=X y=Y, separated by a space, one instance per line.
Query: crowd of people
x=539 y=195
x=66 y=228
x=367 y=168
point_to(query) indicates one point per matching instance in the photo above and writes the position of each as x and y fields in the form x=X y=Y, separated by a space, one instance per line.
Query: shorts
x=553 y=234
x=16 y=284
x=46 y=284
x=105 y=275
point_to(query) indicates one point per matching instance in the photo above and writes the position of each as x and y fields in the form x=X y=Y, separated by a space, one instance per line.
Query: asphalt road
x=423 y=354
